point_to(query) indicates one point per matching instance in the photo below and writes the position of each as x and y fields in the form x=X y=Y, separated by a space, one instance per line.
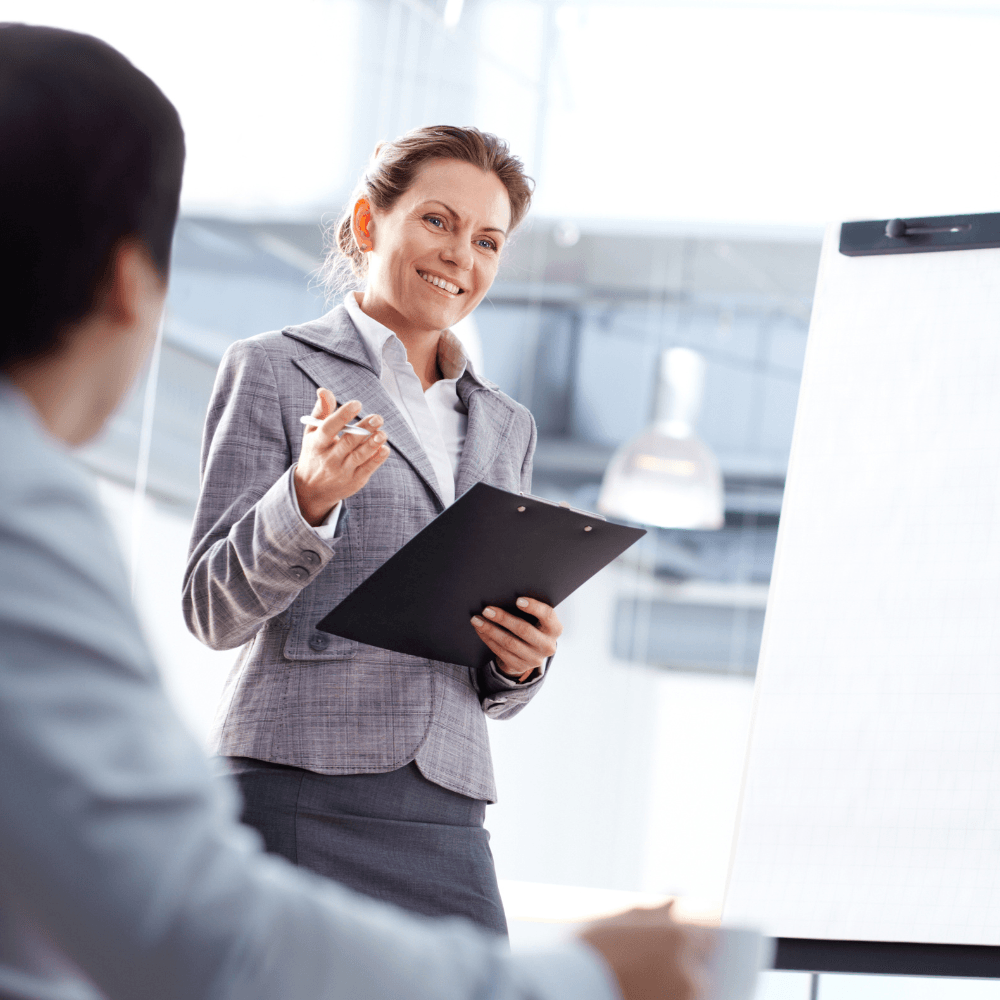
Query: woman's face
x=436 y=252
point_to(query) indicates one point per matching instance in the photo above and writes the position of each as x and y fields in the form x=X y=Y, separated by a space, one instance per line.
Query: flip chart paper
x=871 y=803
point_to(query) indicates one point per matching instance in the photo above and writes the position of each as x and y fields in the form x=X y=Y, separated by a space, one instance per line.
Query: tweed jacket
x=260 y=578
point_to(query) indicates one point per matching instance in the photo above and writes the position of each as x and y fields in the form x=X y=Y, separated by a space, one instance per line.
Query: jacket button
x=312 y=558
x=319 y=641
x=299 y=573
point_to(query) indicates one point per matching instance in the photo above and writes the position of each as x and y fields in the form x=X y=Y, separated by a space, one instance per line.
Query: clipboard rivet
x=588 y=528
x=521 y=510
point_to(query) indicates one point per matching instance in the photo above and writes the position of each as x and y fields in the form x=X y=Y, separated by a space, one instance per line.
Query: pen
x=311 y=421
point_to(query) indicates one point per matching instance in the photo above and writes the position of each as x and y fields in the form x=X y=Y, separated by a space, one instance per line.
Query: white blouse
x=436 y=416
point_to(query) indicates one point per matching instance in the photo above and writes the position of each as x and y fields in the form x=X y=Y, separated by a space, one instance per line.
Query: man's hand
x=652 y=956
x=520 y=647
x=332 y=465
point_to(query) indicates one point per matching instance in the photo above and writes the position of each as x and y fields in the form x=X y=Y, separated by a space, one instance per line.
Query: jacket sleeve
x=124 y=852
x=251 y=551
x=529 y=457
x=502 y=697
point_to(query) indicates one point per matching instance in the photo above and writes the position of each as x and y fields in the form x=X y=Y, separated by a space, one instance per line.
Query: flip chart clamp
x=944 y=232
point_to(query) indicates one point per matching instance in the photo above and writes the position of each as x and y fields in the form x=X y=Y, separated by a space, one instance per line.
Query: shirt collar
x=450 y=356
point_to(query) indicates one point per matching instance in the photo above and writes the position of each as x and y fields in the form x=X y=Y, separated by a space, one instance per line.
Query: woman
x=365 y=765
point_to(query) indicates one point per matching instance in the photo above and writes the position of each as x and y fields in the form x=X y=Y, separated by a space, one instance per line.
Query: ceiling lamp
x=667 y=477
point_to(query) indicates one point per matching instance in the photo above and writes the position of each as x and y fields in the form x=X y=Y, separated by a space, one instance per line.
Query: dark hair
x=92 y=155
x=392 y=169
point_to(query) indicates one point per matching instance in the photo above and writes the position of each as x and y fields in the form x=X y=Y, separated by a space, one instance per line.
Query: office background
x=687 y=156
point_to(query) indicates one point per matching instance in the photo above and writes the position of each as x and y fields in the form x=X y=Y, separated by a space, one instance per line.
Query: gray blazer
x=123 y=870
x=257 y=576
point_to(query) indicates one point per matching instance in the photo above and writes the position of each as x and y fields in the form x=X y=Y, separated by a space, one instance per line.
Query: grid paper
x=871 y=801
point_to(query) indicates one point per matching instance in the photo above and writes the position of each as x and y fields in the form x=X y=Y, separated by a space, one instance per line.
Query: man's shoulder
x=52 y=526
x=35 y=467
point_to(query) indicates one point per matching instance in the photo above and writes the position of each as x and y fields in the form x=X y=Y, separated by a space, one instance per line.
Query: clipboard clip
x=563 y=503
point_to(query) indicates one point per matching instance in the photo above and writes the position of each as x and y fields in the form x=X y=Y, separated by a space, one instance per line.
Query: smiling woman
x=439 y=250
x=368 y=766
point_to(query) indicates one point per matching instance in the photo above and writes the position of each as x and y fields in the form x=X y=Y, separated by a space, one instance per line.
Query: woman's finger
x=371 y=424
x=355 y=444
x=527 y=632
x=335 y=422
x=548 y=620
x=538 y=638
x=365 y=470
x=505 y=647
x=325 y=404
x=362 y=448
x=517 y=655
x=349 y=451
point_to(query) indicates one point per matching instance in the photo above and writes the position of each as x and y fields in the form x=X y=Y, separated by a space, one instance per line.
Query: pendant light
x=667 y=477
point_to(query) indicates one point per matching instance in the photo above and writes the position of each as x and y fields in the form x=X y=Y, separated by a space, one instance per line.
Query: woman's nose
x=459 y=253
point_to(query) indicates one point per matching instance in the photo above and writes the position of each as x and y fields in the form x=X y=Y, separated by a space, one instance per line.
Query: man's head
x=90 y=179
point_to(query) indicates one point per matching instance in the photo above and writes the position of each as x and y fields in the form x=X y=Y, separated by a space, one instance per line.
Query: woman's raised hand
x=332 y=465
x=520 y=647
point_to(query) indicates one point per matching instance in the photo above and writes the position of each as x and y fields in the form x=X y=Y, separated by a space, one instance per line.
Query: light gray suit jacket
x=123 y=871
x=259 y=577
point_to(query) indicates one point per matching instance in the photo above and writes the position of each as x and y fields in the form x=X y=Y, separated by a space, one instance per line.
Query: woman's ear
x=361 y=221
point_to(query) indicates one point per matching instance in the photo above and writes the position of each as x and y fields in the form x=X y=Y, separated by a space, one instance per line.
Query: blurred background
x=687 y=156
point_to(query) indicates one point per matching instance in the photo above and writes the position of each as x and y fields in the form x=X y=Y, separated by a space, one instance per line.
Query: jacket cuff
x=493 y=685
x=329 y=528
x=502 y=681
x=287 y=544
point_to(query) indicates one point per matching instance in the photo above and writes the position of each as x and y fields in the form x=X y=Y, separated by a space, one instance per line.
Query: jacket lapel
x=334 y=334
x=490 y=417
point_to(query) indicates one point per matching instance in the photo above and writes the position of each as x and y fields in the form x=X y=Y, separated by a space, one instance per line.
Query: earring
x=364 y=247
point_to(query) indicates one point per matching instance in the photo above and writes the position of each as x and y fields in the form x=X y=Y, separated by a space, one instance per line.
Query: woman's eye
x=489 y=244
x=434 y=220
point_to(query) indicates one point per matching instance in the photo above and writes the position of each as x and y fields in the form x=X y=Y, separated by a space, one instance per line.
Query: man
x=123 y=872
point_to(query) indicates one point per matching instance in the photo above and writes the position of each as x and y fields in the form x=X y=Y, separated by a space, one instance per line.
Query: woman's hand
x=520 y=647
x=333 y=467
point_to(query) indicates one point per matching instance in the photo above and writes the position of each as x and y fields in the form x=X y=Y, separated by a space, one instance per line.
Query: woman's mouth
x=445 y=286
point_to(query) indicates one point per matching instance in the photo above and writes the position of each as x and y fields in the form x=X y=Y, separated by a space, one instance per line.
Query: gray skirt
x=395 y=836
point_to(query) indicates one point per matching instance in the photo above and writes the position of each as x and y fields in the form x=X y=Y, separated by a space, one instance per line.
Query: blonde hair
x=390 y=173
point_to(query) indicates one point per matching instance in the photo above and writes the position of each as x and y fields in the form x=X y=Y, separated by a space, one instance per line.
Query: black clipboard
x=489 y=547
